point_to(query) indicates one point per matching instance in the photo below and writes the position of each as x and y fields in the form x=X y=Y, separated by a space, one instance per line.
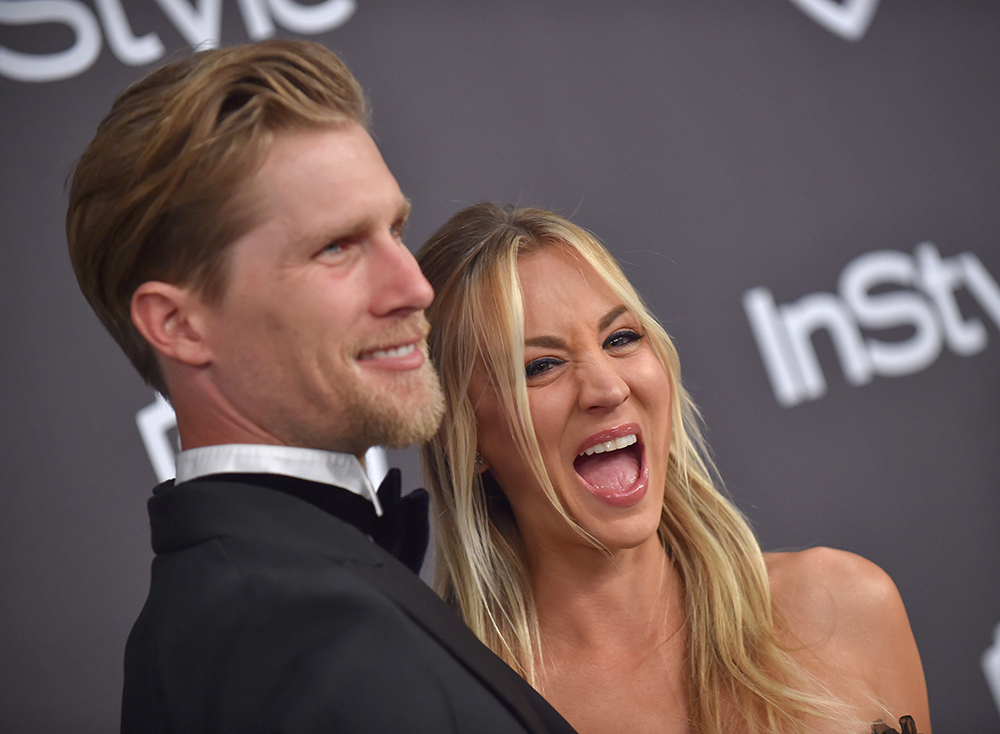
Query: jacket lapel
x=425 y=608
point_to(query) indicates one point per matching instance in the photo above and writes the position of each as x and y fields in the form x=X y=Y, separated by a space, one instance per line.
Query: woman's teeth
x=397 y=352
x=612 y=445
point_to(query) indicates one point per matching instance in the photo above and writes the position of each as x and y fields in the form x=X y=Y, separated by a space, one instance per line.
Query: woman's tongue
x=610 y=473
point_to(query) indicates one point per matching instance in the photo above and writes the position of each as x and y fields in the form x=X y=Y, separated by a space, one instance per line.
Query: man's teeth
x=612 y=445
x=397 y=352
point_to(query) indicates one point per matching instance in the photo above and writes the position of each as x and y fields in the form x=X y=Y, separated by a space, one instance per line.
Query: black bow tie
x=403 y=529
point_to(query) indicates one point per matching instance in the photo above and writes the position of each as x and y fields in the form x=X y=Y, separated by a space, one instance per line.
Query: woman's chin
x=624 y=522
x=627 y=538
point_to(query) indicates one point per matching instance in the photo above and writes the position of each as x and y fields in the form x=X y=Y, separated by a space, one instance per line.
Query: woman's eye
x=621 y=338
x=539 y=366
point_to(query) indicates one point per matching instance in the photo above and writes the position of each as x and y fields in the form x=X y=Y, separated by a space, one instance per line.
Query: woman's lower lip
x=620 y=499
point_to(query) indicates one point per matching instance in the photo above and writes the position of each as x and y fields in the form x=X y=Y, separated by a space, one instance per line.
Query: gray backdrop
x=805 y=191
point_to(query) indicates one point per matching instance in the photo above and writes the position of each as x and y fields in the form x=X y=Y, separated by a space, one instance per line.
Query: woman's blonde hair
x=737 y=667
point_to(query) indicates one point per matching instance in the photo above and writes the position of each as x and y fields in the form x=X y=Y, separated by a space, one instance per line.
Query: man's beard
x=391 y=417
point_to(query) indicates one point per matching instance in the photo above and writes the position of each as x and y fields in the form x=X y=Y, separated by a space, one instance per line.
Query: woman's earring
x=480 y=463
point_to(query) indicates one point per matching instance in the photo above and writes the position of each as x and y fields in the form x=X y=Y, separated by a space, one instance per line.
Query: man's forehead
x=334 y=174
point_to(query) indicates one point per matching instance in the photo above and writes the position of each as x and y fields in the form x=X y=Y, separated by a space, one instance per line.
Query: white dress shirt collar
x=314 y=465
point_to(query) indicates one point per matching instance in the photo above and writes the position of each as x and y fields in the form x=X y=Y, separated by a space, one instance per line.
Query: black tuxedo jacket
x=268 y=614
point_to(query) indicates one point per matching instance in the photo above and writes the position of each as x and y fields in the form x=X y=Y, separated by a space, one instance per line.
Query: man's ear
x=170 y=318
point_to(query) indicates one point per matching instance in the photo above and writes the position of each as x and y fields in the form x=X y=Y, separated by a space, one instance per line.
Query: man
x=236 y=229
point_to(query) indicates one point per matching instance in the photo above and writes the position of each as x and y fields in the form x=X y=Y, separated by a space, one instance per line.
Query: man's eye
x=397 y=230
x=539 y=366
x=621 y=338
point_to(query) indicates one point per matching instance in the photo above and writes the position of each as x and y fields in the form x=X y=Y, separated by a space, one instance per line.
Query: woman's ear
x=170 y=318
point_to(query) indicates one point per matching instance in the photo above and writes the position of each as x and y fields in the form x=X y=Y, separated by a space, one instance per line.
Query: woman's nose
x=602 y=387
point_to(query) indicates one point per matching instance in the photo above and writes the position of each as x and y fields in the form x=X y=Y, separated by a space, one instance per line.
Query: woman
x=581 y=535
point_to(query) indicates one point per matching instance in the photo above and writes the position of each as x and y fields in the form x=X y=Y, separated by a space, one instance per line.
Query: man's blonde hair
x=160 y=192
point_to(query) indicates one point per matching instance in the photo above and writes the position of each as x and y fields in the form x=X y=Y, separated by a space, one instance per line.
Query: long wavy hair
x=740 y=676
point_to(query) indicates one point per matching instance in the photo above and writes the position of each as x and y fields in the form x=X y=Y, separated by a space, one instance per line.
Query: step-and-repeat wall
x=807 y=192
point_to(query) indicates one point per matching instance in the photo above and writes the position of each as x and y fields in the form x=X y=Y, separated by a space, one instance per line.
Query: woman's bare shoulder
x=842 y=609
x=820 y=582
x=832 y=597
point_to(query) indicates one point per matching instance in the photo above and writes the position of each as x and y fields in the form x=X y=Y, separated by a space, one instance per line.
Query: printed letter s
x=78 y=58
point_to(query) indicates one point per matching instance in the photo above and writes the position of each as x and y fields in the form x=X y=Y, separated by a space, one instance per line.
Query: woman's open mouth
x=611 y=466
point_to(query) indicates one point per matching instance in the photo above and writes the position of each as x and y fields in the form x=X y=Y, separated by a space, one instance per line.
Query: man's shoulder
x=258 y=634
x=230 y=554
x=291 y=629
x=237 y=582
x=247 y=513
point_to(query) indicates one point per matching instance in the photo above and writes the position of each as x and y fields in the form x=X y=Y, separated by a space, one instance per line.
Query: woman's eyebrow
x=554 y=342
x=610 y=316
x=546 y=342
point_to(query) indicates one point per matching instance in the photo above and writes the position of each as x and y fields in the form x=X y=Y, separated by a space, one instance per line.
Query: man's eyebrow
x=354 y=229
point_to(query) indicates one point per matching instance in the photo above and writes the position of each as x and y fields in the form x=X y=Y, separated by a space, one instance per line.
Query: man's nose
x=398 y=285
x=602 y=387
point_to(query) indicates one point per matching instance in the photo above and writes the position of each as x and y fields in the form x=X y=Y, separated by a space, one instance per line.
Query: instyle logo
x=199 y=23
x=878 y=290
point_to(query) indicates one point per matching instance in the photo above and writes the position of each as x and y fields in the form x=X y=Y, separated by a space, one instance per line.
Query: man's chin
x=401 y=416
